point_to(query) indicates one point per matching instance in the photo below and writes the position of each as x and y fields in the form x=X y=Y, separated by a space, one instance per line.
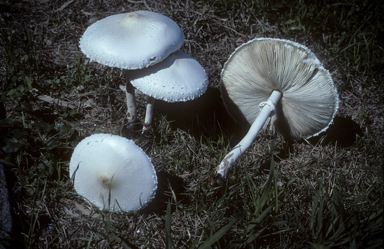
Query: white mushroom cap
x=132 y=40
x=178 y=78
x=309 y=97
x=102 y=162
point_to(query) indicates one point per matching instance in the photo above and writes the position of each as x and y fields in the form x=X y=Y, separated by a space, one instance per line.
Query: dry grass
x=187 y=140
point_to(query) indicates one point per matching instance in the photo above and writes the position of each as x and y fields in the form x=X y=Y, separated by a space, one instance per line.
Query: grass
x=350 y=30
x=281 y=194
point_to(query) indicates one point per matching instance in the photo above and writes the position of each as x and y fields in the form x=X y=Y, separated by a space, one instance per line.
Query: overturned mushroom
x=278 y=84
x=113 y=173
x=131 y=41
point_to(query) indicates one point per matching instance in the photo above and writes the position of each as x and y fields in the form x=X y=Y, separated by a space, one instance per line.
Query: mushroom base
x=216 y=182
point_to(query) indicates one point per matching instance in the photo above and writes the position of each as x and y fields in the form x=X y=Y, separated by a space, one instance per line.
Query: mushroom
x=178 y=78
x=113 y=173
x=276 y=84
x=131 y=41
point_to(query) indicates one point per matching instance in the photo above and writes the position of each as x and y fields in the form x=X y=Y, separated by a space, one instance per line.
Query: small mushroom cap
x=178 y=78
x=132 y=40
x=102 y=162
x=309 y=99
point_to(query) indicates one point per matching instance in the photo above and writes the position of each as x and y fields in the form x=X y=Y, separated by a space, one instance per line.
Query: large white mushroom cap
x=309 y=97
x=132 y=40
x=103 y=164
x=178 y=78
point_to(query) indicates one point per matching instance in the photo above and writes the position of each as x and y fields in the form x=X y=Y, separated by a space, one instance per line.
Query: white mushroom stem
x=131 y=102
x=267 y=109
x=149 y=112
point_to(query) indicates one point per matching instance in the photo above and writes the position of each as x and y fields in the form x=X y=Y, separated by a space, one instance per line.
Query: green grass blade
x=263 y=214
x=291 y=181
x=90 y=241
x=119 y=240
x=255 y=235
x=215 y=237
x=275 y=185
x=339 y=202
x=314 y=209
x=320 y=217
x=168 y=221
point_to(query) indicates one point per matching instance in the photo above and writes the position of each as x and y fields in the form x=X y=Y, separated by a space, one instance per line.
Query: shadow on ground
x=342 y=132
x=205 y=115
x=169 y=187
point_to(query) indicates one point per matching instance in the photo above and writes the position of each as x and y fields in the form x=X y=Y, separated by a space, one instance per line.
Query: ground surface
x=187 y=140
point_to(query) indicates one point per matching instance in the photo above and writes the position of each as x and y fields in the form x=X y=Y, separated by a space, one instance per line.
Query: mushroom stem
x=131 y=102
x=267 y=109
x=149 y=112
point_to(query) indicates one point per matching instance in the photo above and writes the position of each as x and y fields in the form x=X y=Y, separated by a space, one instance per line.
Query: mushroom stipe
x=295 y=95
